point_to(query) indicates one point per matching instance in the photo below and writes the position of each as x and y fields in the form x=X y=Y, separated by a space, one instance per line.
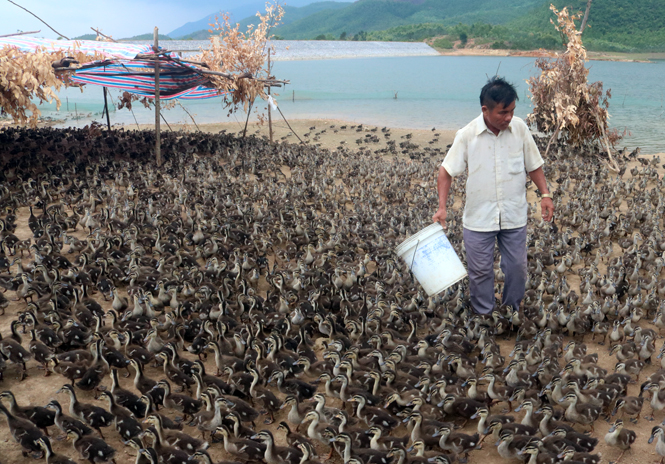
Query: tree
x=342 y=36
x=564 y=104
x=463 y=38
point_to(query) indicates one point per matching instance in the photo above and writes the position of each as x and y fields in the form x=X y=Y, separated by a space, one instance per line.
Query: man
x=497 y=148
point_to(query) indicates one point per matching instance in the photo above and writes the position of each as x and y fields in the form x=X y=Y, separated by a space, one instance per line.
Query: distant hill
x=291 y=14
x=148 y=36
x=238 y=9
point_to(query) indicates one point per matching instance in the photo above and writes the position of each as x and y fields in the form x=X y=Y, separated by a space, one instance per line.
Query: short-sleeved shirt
x=497 y=165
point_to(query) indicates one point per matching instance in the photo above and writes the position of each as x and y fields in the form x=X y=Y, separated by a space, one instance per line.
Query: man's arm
x=546 y=204
x=443 y=186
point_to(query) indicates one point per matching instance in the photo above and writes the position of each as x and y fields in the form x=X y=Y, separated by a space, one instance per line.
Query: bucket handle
x=413 y=260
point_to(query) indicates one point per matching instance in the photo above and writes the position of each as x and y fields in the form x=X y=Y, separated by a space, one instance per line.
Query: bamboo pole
x=269 y=105
x=158 y=147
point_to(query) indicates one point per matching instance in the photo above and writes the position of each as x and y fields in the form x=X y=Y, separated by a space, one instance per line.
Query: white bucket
x=435 y=264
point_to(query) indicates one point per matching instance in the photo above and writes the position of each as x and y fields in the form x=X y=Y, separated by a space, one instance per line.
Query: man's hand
x=442 y=213
x=547 y=208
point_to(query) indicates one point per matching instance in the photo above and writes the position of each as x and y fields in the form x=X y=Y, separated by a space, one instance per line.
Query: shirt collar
x=482 y=127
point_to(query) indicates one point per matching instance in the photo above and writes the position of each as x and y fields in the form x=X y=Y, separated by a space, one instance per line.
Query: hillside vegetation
x=614 y=25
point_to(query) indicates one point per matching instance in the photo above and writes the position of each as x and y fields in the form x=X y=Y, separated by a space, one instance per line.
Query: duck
x=51 y=457
x=91 y=415
x=179 y=402
x=620 y=437
x=38 y=415
x=203 y=456
x=167 y=454
x=274 y=454
x=458 y=443
x=630 y=406
x=126 y=398
x=123 y=420
x=93 y=449
x=65 y=422
x=658 y=434
x=584 y=413
x=175 y=438
x=372 y=415
x=24 y=432
x=244 y=448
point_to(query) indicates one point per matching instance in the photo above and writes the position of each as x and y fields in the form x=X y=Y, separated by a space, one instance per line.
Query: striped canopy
x=123 y=71
x=176 y=79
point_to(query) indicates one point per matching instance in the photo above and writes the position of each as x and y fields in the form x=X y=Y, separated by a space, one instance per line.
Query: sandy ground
x=330 y=133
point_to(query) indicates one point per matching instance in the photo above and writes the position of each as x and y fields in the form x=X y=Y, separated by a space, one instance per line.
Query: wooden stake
x=269 y=105
x=106 y=109
x=158 y=147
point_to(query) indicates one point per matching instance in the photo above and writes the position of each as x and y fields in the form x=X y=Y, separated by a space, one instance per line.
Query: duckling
x=174 y=438
x=535 y=455
x=51 y=457
x=378 y=442
x=569 y=454
x=93 y=449
x=299 y=388
x=202 y=455
x=458 y=443
x=244 y=410
x=65 y=422
x=125 y=398
x=293 y=438
x=297 y=410
x=372 y=415
x=14 y=352
x=41 y=417
x=630 y=406
x=585 y=414
x=183 y=403
x=620 y=437
x=657 y=398
x=167 y=454
x=365 y=455
x=274 y=454
x=498 y=393
x=24 y=432
x=94 y=416
x=123 y=420
x=174 y=374
x=509 y=444
x=658 y=433
x=247 y=449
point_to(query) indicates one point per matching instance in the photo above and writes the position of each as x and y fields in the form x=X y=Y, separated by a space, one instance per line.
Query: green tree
x=463 y=38
x=320 y=37
x=342 y=36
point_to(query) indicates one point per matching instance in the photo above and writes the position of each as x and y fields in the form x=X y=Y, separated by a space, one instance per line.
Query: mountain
x=375 y=15
x=238 y=9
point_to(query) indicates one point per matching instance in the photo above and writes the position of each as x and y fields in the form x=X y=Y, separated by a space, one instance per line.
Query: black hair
x=497 y=90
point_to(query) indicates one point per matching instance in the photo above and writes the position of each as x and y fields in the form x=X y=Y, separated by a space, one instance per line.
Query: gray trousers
x=480 y=262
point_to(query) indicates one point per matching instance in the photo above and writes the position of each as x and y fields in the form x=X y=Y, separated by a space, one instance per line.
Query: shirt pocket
x=516 y=162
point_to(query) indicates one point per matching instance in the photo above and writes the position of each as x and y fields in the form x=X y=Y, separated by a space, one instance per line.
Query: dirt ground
x=39 y=390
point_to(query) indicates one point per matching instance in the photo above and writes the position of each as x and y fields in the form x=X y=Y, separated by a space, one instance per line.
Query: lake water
x=418 y=92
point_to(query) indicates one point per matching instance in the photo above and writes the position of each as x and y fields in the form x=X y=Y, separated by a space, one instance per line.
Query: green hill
x=614 y=25
x=376 y=15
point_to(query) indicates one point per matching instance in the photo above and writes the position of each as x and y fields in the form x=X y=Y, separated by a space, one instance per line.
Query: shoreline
x=541 y=53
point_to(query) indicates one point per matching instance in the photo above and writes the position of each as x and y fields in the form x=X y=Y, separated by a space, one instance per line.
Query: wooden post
x=106 y=108
x=269 y=105
x=158 y=147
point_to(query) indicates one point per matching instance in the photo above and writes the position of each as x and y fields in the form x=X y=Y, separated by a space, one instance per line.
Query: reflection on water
x=418 y=92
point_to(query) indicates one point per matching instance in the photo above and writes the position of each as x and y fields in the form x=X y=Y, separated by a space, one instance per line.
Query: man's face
x=499 y=117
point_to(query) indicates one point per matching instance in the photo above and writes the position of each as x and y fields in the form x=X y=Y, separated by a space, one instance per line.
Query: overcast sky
x=118 y=18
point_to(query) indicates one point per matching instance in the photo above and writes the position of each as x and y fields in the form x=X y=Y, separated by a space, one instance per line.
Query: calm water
x=431 y=91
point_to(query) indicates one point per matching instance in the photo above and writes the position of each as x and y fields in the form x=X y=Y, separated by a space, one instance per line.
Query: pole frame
x=158 y=145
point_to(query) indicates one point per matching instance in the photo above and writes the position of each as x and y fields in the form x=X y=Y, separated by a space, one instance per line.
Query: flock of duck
x=243 y=302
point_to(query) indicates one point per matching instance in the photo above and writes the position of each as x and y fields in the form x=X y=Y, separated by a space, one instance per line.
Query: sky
x=117 y=18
